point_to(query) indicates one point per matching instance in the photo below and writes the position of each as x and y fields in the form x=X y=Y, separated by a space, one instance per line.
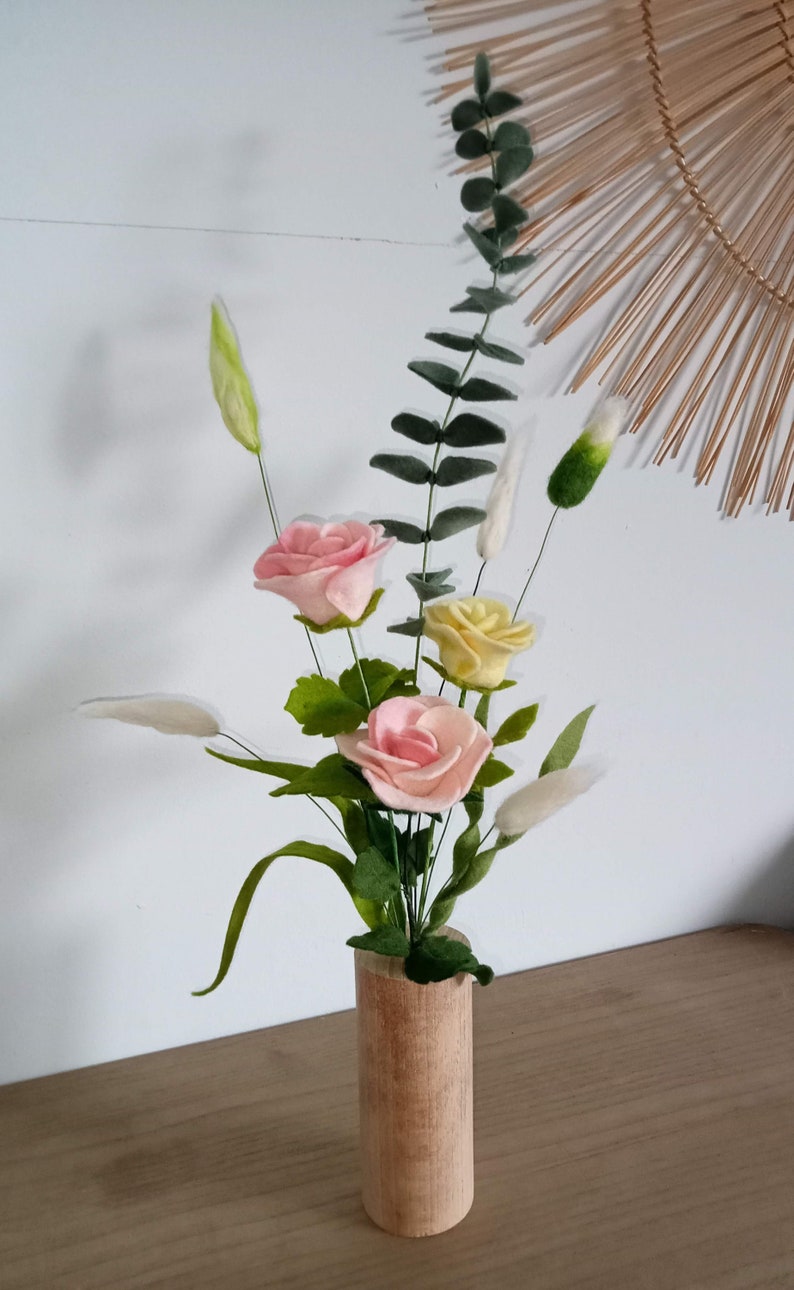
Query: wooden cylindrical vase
x=415 y=1097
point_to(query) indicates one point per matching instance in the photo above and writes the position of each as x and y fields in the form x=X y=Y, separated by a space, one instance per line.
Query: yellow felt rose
x=476 y=639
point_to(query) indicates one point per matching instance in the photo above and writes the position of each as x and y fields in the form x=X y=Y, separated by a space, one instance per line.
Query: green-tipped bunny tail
x=575 y=474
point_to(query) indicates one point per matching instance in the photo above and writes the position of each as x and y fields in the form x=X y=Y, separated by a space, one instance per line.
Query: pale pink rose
x=418 y=754
x=324 y=569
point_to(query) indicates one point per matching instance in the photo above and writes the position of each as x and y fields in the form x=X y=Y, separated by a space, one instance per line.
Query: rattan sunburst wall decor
x=665 y=139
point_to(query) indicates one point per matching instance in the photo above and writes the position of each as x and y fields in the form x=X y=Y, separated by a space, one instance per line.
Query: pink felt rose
x=418 y=754
x=324 y=569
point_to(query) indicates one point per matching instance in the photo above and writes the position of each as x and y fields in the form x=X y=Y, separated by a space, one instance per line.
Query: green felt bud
x=230 y=383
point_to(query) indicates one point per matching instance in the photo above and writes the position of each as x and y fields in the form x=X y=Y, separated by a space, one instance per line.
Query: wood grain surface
x=635 y=1131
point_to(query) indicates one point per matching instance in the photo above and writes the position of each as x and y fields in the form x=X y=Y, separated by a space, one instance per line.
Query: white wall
x=285 y=156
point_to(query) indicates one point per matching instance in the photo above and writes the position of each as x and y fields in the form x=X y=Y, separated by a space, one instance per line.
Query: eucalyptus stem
x=537 y=562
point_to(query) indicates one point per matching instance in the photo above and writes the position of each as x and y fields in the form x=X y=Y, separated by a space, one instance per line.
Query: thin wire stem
x=537 y=562
x=479 y=576
x=313 y=800
x=360 y=669
x=274 y=520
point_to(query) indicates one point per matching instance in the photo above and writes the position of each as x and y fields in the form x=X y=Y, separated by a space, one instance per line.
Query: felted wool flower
x=324 y=569
x=418 y=754
x=476 y=639
x=539 y=799
x=578 y=469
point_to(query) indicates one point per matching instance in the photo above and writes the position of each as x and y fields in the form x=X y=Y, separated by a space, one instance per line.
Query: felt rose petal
x=324 y=569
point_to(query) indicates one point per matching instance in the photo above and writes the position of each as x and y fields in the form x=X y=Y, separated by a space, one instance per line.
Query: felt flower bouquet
x=414 y=756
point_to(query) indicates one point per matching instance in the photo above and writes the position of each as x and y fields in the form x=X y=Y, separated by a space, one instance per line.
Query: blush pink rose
x=418 y=754
x=324 y=569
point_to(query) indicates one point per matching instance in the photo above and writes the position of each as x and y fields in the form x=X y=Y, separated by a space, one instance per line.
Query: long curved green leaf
x=288 y=770
x=370 y=911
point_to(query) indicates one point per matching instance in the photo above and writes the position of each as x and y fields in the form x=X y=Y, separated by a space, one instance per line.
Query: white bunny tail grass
x=492 y=533
x=541 y=798
x=166 y=713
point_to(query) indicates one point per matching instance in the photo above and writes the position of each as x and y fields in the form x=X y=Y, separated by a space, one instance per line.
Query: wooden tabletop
x=634 y=1121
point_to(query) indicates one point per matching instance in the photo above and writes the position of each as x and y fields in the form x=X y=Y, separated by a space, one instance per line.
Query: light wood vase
x=415 y=1097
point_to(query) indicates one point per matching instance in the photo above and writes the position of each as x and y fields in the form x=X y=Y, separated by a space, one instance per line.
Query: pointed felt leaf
x=492 y=772
x=353 y=822
x=468 y=306
x=451 y=340
x=375 y=877
x=403 y=532
x=489 y=251
x=331 y=777
x=383 y=940
x=508 y=214
x=491 y=298
x=512 y=163
x=478 y=390
x=373 y=915
x=470 y=430
x=440 y=912
x=456 y=470
x=510 y=134
x=516 y=726
x=410 y=469
x=501 y=101
x=483 y=708
x=489 y=349
x=321 y=708
x=279 y=769
x=441 y=375
x=383 y=681
x=476 y=194
x=466 y=114
x=566 y=746
x=437 y=958
x=471 y=144
x=482 y=75
x=420 y=429
x=455 y=520
x=469 y=840
x=411 y=627
x=436 y=666
x=517 y=263
x=428 y=590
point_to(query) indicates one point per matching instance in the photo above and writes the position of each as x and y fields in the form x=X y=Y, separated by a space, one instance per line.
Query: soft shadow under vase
x=415 y=1097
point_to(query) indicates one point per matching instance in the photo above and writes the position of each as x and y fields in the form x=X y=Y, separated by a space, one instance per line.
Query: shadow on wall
x=769 y=897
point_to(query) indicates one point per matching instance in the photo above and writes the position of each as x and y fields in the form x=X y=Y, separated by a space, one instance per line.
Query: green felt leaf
x=510 y=134
x=479 y=390
x=436 y=958
x=507 y=236
x=417 y=854
x=470 y=430
x=500 y=101
x=331 y=777
x=353 y=822
x=491 y=772
x=428 y=590
x=482 y=709
x=321 y=708
x=230 y=383
x=471 y=144
x=566 y=746
x=512 y=163
x=341 y=621
x=482 y=75
x=476 y=194
x=420 y=429
x=382 y=834
x=466 y=114
x=383 y=940
x=451 y=340
x=516 y=726
x=489 y=349
x=372 y=914
x=507 y=213
x=440 y=913
x=383 y=680
x=436 y=666
x=280 y=769
x=491 y=298
x=517 y=263
x=468 y=841
x=468 y=306
x=489 y=251
x=410 y=469
x=454 y=520
x=411 y=627
x=403 y=532
x=375 y=877
x=441 y=375
x=456 y=470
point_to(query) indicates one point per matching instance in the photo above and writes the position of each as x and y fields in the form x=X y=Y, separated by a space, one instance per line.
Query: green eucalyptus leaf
x=383 y=940
x=491 y=772
x=501 y=101
x=410 y=469
x=512 y=163
x=466 y=114
x=321 y=708
x=403 y=532
x=506 y=236
x=468 y=306
x=451 y=340
x=482 y=74
x=516 y=726
x=489 y=251
x=341 y=620
x=280 y=769
x=470 y=430
x=489 y=349
x=334 y=860
x=454 y=520
x=476 y=194
x=479 y=390
x=510 y=134
x=441 y=375
x=472 y=144
x=456 y=470
x=420 y=429
x=331 y=777
x=507 y=213
x=491 y=298
x=375 y=877
x=516 y=263
x=428 y=590
x=411 y=627
x=566 y=746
